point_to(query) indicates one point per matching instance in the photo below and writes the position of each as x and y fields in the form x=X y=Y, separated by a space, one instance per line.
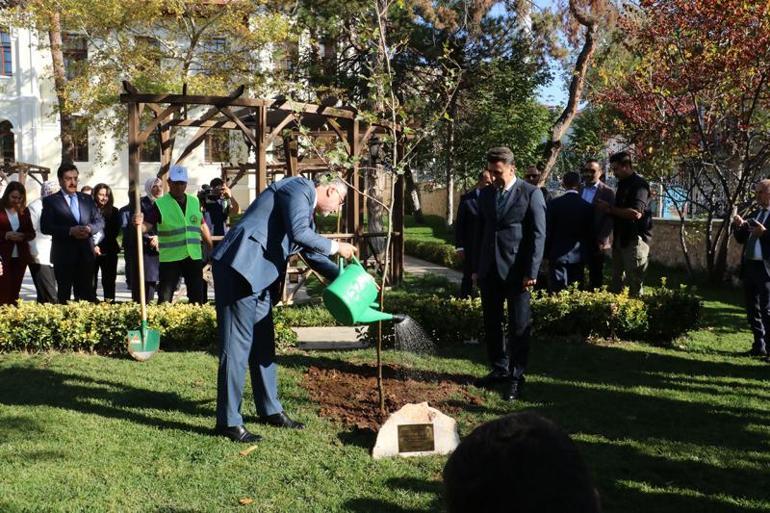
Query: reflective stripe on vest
x=179 y=235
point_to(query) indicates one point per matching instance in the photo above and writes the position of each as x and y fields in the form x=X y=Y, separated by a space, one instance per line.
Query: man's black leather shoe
x=282 y=420
x=512 y=391
x=492 y=379
x=237 y=434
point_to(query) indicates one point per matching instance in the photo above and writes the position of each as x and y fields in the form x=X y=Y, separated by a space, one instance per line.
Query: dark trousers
x=77 y=278
x=563 y=275
x=756 y=285
x=246 y=339
x=108 y=265
x=11 y=279
x=45 y=282
x=189 y=269
x=150 y=288
x=595 y=265
x=466 y=284
x=511 y=357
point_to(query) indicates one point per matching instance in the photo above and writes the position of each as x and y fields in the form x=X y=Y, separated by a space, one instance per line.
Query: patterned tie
x=502 y=197
x=74 y=207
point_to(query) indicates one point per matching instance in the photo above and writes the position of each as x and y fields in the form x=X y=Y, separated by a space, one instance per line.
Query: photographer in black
x=218 y=205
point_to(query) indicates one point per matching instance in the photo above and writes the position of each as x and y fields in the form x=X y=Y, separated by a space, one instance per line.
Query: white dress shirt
x=589 y=192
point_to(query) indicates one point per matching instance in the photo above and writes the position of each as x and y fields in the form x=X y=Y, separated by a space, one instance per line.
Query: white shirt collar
x=573 y=191
x=510 y=185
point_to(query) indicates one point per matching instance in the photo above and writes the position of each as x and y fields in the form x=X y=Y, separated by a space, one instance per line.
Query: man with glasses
x=593 y=191
x=246 y=265
x=510 y=238
x=755 y=266
x=533 y=177
x=632 y=228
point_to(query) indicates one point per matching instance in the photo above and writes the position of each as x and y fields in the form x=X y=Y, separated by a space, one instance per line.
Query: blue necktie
x=74 y=207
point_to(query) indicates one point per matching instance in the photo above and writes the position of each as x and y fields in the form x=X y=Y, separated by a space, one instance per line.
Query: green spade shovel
x=144 y=342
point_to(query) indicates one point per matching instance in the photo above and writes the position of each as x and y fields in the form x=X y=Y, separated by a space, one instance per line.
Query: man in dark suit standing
x=755 y=267
x=594 y=190
x=71 y=219
x=569 y=222
x=511 y=239
x=246 y=265
x=465 y=226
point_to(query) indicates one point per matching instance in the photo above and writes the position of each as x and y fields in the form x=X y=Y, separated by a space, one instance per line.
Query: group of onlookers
x=69 y=238
x=506 y=229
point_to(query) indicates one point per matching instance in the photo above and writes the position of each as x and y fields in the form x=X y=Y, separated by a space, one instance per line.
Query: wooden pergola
x=263 y=123
x=23 y=170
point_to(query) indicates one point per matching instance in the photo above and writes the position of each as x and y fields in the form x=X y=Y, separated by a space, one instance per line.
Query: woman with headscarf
x=106 y=248
x=153 y=189
x=41 y=267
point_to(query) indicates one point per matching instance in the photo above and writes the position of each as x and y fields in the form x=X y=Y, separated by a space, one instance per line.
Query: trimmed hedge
x=102 y=327
x=659 y=317
x=434 y=252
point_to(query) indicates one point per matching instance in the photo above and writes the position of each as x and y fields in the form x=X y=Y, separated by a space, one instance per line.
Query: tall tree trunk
x=60 y=82
x=376 y=214
x=553 y=145
x=450 y=147
x=414 y=195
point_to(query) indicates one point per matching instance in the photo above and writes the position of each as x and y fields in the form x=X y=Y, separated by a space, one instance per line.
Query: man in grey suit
x=594 y=190
x=246 y=264
x=755 y=267
x=510 y=242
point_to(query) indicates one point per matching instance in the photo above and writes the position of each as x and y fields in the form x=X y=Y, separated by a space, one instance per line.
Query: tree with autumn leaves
x=695 y=104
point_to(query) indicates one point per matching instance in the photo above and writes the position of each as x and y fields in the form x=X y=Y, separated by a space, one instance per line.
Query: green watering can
x=352 y=297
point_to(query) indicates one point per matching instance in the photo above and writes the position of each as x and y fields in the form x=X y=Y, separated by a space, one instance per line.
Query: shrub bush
x=102 y=327
x=435 y=252
x=659 y=317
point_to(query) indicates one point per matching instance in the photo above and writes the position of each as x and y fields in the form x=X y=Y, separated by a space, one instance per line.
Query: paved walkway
x=419 y=267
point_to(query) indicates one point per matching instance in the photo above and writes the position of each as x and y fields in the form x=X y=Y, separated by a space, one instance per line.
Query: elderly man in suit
x=71 y=219
x=569 y=222
x=511 y=239
x=594 y=190
x=755 y=266
x=465 y=229
x=246 y=264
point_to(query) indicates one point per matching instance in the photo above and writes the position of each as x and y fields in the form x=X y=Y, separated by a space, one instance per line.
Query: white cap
x=177 y=174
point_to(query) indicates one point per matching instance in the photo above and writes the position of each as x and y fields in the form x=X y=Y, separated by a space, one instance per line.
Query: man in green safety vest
x=179 y=221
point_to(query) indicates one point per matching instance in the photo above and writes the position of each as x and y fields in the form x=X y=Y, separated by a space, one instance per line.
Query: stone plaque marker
x=416 y=430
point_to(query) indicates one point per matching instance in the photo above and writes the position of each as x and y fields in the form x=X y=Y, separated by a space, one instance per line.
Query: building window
x=216 y=45
x=75 y=52
x=289 y=57
x=216 y=146
x=150 y=151
x=79 y=130
x=7 y=141
x=6 y=61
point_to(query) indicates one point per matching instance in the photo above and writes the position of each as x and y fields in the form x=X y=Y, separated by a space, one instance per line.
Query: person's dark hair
x=107 y=210
x=86 y=189
x=621 y=157
x=14 y=186
x=216 y=182
x=571 y=180
x=520 y=463
x=500 y=154
x=593 y=161
x=66 y=166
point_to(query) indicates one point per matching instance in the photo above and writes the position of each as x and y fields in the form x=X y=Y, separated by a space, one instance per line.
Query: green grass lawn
x=663 y=429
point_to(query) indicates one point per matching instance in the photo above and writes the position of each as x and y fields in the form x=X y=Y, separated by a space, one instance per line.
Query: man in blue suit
x=510 y=238
x=465 y=231
x=246 y=264
x=72 y=220
x=569 y=222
